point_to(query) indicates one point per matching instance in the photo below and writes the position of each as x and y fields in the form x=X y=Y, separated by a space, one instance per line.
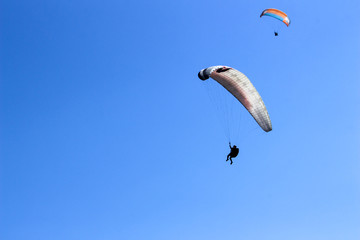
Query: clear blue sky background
x=107 y=133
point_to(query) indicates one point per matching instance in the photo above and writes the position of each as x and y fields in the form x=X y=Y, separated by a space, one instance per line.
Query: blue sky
x=107 y=133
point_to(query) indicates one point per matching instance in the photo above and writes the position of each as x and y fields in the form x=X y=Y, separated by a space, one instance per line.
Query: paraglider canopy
x=237 y=84
x=275 y=13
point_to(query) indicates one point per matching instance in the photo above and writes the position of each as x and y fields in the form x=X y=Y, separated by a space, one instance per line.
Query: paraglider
x=275 y=13
x=234 y=151
x=240 y=87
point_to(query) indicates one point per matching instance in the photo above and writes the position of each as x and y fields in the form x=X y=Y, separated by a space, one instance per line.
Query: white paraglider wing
x=242 y=89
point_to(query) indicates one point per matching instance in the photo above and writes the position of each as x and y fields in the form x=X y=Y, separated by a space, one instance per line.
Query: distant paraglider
x=275 y=13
